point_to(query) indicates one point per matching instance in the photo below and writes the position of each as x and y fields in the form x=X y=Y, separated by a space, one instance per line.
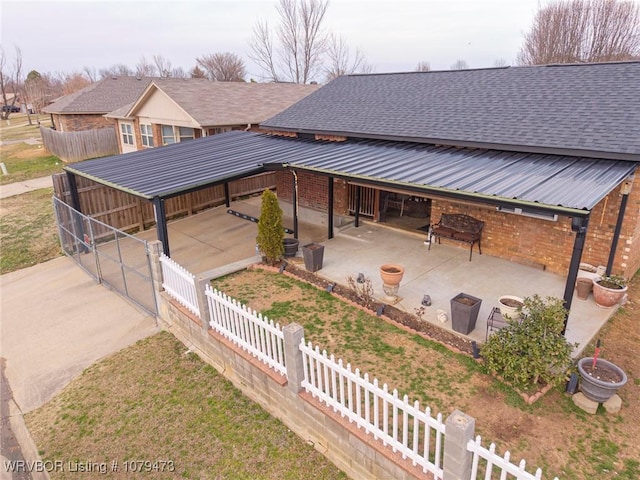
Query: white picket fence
x=246 y=328
x=492 y=459
x=180 y=284
x=407 y=429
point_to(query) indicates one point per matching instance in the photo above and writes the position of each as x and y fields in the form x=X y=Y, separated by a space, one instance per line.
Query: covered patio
x=214 y=240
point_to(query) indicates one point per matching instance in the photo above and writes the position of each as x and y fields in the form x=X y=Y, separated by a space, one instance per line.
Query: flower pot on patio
x=313 y=254
x=464 y=312
x=511 y=306
x=608 y=291
x=584 y=286
x=290 y=246
x=391 y=275
x=601 y=382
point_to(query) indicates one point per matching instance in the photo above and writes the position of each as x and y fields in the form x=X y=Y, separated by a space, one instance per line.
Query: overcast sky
x=394 y=35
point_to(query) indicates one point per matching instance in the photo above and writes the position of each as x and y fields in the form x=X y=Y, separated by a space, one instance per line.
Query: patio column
x=330 y=209
x=161 y=223
x=626 y=190
x=357 y=212
x=227 y=197
x=578 y=225
x=81 y=243
x=295 y=205
x=73 y=189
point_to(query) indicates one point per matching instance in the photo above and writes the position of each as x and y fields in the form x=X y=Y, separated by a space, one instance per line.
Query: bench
x=460 y=227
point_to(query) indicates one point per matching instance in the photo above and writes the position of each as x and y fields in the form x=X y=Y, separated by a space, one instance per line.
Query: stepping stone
x=613 y=405
x=585 y=404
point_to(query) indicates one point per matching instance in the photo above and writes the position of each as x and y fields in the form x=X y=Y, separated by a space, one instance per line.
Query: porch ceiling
x=570 y=185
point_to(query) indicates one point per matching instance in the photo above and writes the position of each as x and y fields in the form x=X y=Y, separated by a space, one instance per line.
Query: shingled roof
x=227 y=103
x=588 y=109
x=100 y=97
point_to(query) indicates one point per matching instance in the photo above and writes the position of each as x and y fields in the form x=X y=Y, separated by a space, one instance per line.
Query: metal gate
x=110 y=256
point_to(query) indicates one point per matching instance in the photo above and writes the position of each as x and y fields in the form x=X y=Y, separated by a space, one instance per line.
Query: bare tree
x=91 y=73
x=144 y=68
x=222 y=67
x=197 y=72
x=10 y=81
x=163 y=66
x=340 y=61
x=576 y=31
x=118 y=70
x=34 y=94
x=297 y=56
x=179 y=72
x=423 y=66
x=459 y=65
x=500 y=62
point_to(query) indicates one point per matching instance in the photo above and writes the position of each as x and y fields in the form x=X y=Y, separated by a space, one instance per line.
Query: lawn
x=552 y=433
x=158 y=402
x=27 y=230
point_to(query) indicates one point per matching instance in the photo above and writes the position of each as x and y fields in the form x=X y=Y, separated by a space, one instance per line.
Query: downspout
x=295 y=204
x=578 y=225
x=330 y=209
x=248 y=127
x=625 y=190
x=161 y=224
x=357 y=212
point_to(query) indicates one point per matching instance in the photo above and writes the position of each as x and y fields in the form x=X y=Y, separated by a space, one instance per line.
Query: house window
x=147 y=135
x=127 y=133
x=167 y=135
x=186 y=133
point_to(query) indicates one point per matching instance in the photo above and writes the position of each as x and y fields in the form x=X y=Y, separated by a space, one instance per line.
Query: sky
x=394 y=35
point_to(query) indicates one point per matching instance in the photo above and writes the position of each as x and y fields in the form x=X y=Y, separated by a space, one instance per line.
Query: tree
x=298 y=55
x=223 y=67
x=145 y=68
x=340 y=61
x=500 y=62
x=270 y=238
x=459 y=65
x=197 y=72
x=118 y=70
x=10 y=80
x=423 y=66
x=577 y=31
x=34 y=94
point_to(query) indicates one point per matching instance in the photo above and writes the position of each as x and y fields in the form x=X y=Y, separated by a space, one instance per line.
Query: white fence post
x=293 y=336
x=457 y=458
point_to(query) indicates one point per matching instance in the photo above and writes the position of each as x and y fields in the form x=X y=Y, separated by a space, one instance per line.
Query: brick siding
x=79 y=123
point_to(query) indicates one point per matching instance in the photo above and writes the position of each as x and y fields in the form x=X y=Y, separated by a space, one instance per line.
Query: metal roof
x=547 y=182
x=586 y=109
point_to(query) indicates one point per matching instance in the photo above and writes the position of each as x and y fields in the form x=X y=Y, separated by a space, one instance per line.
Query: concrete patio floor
x=214 y=239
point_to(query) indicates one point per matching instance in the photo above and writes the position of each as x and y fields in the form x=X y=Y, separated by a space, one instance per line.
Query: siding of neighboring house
x=132 y=132
x=80 y=122
x=530 y=241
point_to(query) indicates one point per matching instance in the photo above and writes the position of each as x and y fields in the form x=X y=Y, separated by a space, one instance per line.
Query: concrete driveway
x=55 y=322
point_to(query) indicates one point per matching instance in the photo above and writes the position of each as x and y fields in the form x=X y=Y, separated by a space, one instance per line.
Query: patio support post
x=227 y=197
x=626 y=189
x=330 y=209
x=161 y=223
x=73 y=188
x=295 y=205
x=77 y=219
x=357 y=212
x=578 y=225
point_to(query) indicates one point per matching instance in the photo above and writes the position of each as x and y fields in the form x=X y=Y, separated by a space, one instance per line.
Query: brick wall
x=312 y=191
x=348 y=447
x=78 y=123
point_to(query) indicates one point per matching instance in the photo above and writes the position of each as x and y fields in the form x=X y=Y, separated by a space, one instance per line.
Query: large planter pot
x=606 y=297
x=601 y=383
x=313 y=254
x=509 y=305
x=391 y=273
x=290 y=246
x=464 y=312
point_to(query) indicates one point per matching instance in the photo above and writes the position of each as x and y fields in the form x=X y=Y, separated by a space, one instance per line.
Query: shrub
x=270 y=229
x=533 y=349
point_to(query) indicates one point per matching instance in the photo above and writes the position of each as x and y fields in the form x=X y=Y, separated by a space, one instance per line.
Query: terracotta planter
x=602 y=383
x=509 y=305
x=583 y=287
x=607 y=297
x=391 y=274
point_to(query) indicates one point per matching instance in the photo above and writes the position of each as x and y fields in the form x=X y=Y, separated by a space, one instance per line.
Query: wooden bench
x=460 y=227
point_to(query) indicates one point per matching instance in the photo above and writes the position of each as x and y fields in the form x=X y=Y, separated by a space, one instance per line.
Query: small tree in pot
x=270 y=230
x=532 y=349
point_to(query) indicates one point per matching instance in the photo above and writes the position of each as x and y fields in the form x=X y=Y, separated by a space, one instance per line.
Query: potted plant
x=464 y=312
x=270 y=230
x=290 y=246
x=391 y=275
x=608 y=290
x=313 y=254
x=511 y=306
x=600 y=379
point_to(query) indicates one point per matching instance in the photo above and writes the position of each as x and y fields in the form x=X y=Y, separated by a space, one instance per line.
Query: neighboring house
x=85 y=109
x=175 y=110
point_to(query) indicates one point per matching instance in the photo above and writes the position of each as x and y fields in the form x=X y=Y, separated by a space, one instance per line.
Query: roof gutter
x=445 y=192
x=108 y=184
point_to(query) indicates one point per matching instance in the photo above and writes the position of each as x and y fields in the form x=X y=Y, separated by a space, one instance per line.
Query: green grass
x=24 y=162
x=157 y=401
x=28 y=233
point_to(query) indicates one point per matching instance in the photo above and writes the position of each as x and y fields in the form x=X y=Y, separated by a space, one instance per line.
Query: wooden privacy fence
x=77 y=146
x=130 y=213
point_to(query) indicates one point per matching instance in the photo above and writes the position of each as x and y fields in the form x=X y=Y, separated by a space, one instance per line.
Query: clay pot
x=391 y=274
x=607 y=297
